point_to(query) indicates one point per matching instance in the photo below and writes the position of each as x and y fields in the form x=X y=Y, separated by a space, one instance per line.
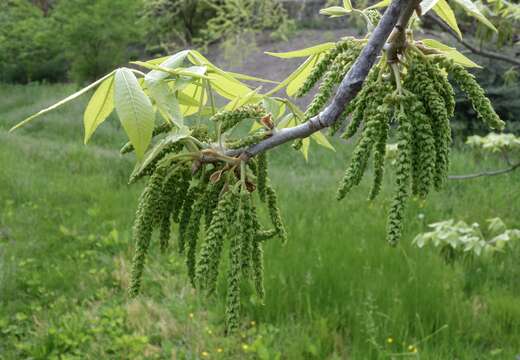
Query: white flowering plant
x=459 y=240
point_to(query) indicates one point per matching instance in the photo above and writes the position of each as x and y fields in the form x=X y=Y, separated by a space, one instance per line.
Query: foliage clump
x=460 y=241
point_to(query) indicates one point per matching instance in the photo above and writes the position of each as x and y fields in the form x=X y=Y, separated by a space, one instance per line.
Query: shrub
x=92 y=29
x=28 y=48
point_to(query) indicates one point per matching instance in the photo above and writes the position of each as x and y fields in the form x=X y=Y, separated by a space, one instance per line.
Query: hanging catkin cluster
x=331 y=67
x=218 y=199
x=414 y=99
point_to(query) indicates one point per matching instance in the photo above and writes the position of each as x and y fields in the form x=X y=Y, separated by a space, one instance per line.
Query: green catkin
x=420 y=83
x=234 y=274
x=403 y=172
x=229 y=119
x=168 y=195
x=380 y=149
x=192 y=231
x=150 y=167
x=261 y=175
x=263 y=235
x=209 y=259
x=257 y=258
x=424 y=153
x=181 y=192
x=249 y=140
x=185 y=216
x=212 y=199
x=475 y=94
x=359 y=104
x=143 y=227
x=274 y=213
x=333 y=77
x=257 y=255
x=323 y=65
x=159 y=129
x=200 y=132
x=442 y=86
x=248 y=232
x=358 y=164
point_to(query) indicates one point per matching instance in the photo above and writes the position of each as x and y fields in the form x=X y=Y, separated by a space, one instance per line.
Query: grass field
x=335 y=291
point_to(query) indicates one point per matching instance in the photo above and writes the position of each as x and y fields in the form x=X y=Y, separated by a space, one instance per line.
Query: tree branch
x=349 y=87
x=485 y=173
x=471 y=47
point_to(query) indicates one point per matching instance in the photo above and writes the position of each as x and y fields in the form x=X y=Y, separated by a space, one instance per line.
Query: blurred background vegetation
x=81 y=40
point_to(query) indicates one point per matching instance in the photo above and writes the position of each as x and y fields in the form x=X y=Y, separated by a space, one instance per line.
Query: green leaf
x=347 y=5
x=379 y=5
x=322 y=140
x=305 y=148
x=173 y=137
x=300 y=116
x=99 y=107
x=167 y=103
x=496 y=226
x=335 y=11
x=251 y=78
x=197 y=94
x=227 y=88
x=450 y=53
x=273 y=106
x=134 y=109
x=473 y=10
x=250 y=98
x=297 y=82
x=427 y=5
x=61 y=102
x=307 y=63
x=445 y=12
x=172 y=62
x=287 y=121
x=303 y=52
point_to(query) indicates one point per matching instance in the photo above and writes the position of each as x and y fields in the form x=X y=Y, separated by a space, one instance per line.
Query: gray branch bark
x=471 y=47
x=398 y=12
x=485 y=173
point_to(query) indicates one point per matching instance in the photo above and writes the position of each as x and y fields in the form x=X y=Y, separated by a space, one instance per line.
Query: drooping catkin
x=474 y=92
x=258 y=268
x=424 y=152
x=143 y=227
x=234 y=273
x=168 y=195
x=249 y=140
x=248 y=233
x=192 y=231
x=209 y=259
x=257 y=255
x=420 y=82
x=379 y=149
x=158 y=156
x=359 y=104
x=158 y=129
x=332 y=77
x=261 y=176
x=373 y=117
x=229 y=119
x=212 y=200
x=274 y=213
x=180 y=193
x=403 y=172
x=185 y=216
x=323 y=65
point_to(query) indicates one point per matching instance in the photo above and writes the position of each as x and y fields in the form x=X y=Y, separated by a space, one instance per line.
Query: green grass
x=335 y=291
